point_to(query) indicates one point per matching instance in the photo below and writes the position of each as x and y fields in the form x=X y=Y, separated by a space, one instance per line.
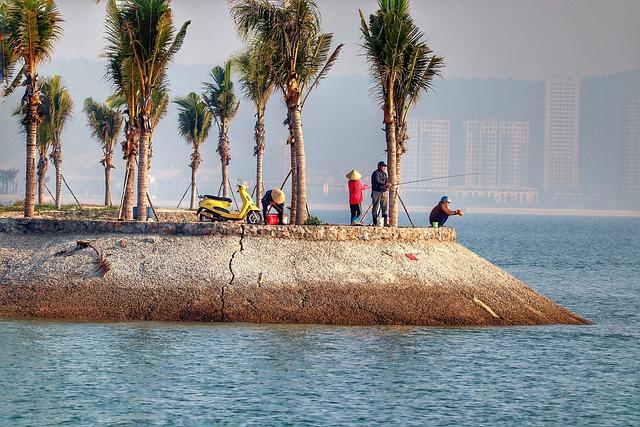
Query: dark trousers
x=380 y=200
x=356 y=211
x=440 y=218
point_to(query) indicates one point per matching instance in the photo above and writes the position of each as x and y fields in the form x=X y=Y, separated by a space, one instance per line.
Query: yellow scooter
x=213 y=208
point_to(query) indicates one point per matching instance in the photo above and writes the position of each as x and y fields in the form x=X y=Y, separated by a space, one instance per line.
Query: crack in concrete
x=233 y=274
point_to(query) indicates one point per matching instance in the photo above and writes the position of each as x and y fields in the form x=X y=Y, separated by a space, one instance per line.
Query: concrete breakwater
x=265 y=274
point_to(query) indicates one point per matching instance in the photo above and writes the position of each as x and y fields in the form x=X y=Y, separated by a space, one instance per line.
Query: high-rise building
x=496 y=154
x=427 y=153
x=631 y=147
x=561 y=134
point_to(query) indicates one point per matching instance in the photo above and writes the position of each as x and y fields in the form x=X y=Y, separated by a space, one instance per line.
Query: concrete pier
x=265 y=274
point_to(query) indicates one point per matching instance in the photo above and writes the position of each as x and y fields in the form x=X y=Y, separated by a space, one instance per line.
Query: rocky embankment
x=243 y=273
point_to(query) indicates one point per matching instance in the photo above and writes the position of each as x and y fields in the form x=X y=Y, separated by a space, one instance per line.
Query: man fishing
x=380 y=194
x=441 y=213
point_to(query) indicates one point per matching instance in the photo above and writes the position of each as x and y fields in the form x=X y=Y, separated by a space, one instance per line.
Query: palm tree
x=8 y=180
x=121 y=72
x=224 y=105
x=30 y=27
x=257 y=82
x=387 y=36
x=194 y=123
x=420 y=67
x=59 y=110
x=301 y=57
x=105 y=124
x=141 y=42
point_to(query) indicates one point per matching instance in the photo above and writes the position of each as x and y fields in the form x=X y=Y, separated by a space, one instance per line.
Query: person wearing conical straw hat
x=274 y=198
x=355 y=195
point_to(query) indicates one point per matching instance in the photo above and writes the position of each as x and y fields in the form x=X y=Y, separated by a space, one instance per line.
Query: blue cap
x=445 y=199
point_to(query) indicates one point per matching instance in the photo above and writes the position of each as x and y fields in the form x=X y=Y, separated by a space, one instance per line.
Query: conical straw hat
x=354 y=174
x=278 y=196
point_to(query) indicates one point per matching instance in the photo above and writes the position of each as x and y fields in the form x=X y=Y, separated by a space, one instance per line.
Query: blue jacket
x=378 y=180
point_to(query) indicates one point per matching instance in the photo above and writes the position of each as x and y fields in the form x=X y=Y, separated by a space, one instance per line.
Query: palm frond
x=219 y=94
x=194 y=118
x=104 y=122
x=31 y=28
x=255 y=73
x=301 y=54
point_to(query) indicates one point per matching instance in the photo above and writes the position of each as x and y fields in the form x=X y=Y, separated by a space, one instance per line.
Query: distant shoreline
x=511 y=211
x=618 y=213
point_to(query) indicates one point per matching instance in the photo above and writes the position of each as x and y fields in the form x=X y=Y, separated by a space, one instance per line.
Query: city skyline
x=429 y=153
x=496 y=154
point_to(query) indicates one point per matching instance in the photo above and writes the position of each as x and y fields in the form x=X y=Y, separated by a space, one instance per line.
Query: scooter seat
x=220 y=199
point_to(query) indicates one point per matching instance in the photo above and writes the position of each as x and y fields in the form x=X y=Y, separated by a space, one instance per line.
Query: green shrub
x=313 y=220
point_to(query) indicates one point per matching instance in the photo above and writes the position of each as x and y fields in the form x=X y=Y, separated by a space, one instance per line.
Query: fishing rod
x=439 y=177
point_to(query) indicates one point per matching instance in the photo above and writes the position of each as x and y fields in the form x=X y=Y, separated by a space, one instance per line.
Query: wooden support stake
x=405 y=209
x=124 y=190
x=49 y=191
x=286 y=179
x=185 y=193
x=153 y=209
x=70 y=191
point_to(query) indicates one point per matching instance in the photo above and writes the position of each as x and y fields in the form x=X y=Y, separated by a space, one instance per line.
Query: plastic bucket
x=272 y=219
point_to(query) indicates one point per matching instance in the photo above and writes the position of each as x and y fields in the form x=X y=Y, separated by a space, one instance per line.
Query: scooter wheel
x=203 y=218
x=254 y=218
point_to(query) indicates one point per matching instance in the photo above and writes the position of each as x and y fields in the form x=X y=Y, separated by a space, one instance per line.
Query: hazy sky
x=524 y=39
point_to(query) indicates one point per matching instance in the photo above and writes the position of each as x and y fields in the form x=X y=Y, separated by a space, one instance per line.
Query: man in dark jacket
x=379 y=193
x=441 y=212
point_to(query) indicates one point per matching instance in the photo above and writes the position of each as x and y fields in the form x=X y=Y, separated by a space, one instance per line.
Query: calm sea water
x=55 y=373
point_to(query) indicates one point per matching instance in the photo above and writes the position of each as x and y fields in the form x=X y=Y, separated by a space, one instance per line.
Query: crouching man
x=441 y=213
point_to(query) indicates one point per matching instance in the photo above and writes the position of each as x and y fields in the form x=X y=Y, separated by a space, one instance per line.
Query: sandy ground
x=262 y=279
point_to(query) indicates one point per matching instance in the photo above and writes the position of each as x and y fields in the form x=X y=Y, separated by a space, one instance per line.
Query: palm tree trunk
x=301 y=178
x=57 y=163
x=30 y=190
x=130 y=151
x=294 y=168
x=42 y=172
x=259 y=152
x=225 y=157
x=129 y=185
x=32 y=132
x=195 y=164
x=192 y=205
x=108 y=160
x=401 y=139
x=143 y=169
x=390 y=132
x=392 y=173
x=294 y=182
x=107 y=187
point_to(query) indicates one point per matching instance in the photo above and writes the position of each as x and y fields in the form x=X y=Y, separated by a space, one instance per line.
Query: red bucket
x=272 y=219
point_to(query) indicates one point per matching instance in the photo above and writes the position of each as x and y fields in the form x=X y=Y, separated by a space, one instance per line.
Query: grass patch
x=48 y=207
